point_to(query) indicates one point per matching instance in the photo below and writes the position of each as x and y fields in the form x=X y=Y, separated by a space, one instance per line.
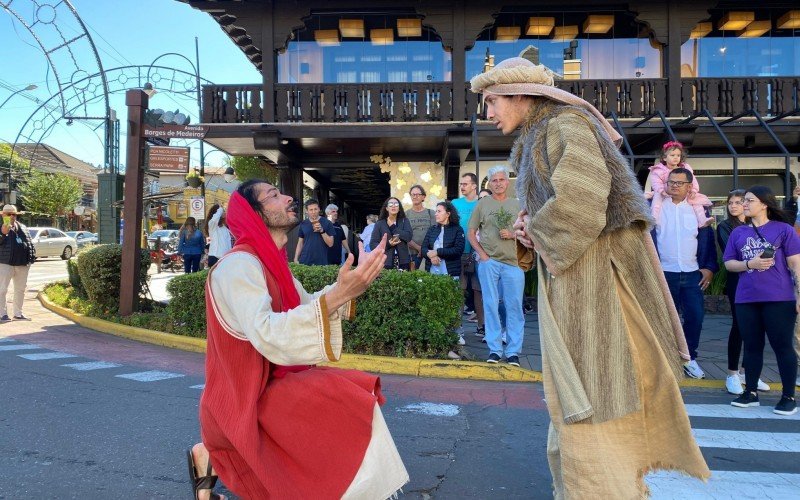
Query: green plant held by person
x=503 y=218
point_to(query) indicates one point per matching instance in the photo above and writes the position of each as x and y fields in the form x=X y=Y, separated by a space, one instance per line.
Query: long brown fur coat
x=589 y=218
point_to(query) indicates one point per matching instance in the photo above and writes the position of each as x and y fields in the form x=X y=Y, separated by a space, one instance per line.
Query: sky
x=126 y=33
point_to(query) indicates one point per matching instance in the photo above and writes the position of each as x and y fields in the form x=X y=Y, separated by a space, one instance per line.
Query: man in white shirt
x=689 y=260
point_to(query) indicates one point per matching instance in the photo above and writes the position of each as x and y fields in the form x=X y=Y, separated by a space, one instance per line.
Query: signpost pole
x=136 y=100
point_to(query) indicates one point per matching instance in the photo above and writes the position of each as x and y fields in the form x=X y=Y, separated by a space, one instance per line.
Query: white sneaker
x=693 y=370
x=797 y=382
x=734 y=385
x=762 y=386
x=461 y=340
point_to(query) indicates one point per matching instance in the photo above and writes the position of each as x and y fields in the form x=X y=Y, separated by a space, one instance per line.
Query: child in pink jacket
x=673 y=155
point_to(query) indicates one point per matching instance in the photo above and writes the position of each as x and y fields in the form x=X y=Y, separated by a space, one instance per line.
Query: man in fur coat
x=610 y=370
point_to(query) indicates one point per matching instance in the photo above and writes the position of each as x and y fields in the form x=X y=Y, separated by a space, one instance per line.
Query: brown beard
x=275 y=219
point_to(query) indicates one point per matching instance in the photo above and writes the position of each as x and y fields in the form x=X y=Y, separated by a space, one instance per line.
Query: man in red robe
x=273 y=424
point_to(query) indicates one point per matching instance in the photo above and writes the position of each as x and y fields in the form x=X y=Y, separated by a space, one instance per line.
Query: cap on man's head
x=10 y=210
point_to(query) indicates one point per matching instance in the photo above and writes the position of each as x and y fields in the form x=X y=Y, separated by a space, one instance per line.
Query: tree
x=12 y=163
x=50 y=194
x=252 y=167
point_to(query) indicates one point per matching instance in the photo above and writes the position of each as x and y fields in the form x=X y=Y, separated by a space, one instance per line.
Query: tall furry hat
x=518 y=76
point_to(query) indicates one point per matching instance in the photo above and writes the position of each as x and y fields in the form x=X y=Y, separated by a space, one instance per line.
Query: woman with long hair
x=392 y=221
x=767 y=254
x=735 y=380
x=217 y=232
x=191 y=244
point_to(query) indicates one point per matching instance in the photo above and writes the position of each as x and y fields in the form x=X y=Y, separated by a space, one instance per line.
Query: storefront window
x=728 y=53
x=578 y=46
x=379 y=53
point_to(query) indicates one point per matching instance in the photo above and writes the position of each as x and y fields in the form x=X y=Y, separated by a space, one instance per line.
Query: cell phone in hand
x=768 y=253
x=7 y=220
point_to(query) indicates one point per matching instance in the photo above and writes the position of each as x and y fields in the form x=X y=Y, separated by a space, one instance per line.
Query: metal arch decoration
x=49 y=21
x=41 y=122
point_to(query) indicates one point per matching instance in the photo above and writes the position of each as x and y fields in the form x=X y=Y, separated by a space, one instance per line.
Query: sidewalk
x=712 y=353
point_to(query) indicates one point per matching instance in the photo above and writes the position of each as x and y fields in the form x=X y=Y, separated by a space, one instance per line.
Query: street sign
x=197 y=207
x=168 y=159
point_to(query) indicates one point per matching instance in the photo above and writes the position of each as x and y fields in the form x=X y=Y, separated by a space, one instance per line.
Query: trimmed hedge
x=99 y=272
x=187 y=305
x=75 y=277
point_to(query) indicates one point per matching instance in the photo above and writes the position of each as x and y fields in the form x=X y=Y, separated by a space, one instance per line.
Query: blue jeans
x=688 y=298
x=506 y=281
x=191 y=263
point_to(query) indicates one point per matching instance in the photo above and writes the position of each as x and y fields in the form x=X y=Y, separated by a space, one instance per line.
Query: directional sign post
x=168 y=159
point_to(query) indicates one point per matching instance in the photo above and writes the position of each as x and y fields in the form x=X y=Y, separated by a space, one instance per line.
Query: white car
x=52 y=242
x=84 y=238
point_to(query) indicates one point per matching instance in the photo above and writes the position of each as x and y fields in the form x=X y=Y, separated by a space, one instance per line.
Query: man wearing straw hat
x=610 y=371
x=16 y=256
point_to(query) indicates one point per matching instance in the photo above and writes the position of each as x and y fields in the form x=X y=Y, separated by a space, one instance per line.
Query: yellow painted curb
x=428 y=368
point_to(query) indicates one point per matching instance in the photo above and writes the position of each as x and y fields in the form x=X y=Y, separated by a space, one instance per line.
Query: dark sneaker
x=786 y=406
x=513 y=360
x=22 y=316
x=5 y=318
x=746 y=400
x=493 y=358
x=481 y=331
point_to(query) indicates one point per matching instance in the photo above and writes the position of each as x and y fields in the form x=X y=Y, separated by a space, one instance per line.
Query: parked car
x=84 y=238
x=51 y=242
x=168 y=237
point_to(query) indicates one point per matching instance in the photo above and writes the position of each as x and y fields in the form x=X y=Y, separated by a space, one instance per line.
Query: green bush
x=75 y=277
x=314 y=278
x=187 y=304
x=99 y=272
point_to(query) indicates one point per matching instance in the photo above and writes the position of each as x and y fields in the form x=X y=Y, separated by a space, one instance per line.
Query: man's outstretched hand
x=353 y=282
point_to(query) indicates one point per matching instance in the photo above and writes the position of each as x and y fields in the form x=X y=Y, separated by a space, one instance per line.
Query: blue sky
x=125 y=32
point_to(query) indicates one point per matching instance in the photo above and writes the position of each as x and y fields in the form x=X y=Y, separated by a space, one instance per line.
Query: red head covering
x=249 y=229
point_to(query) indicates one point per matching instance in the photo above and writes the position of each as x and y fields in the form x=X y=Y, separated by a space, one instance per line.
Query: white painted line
x=748 y=440
x=151 y=376
x=724 y=484
x=18 y=347
x=38 y=356
x=92 y=365
x=201 y=386
x=435 y=409
x=728 y=411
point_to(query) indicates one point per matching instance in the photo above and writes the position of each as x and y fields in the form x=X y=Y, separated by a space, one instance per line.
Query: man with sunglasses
x=689 y=260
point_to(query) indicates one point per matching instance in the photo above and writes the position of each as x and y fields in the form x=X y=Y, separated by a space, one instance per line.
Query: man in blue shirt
x=315 y=237
x=469 y=276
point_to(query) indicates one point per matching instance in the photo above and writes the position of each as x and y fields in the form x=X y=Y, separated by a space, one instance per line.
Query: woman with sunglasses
x=735 y=380
x=766 y=253
x=393 y=222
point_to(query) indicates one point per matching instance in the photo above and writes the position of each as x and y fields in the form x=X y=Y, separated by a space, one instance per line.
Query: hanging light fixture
x=540 y=26
x=327 y=38
x=564 y=33
x=701 y=30
x=756 y=29
x=598 y=23
x=790 y=20
x=505 y=34
x=736 y=20
x=351 y=28
x=382 y=36
x=409 y=28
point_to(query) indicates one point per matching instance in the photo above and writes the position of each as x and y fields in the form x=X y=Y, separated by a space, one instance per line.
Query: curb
x=467 y=370
x=428 y=368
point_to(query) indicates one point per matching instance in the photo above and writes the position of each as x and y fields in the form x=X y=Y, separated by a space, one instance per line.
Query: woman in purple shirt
x=766 y=253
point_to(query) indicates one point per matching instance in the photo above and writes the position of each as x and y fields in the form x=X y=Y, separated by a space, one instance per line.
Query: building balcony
x=434 y=101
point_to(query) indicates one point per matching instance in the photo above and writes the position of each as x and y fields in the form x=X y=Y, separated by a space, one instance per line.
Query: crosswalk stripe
x=747 y=440
x=39 y=356
x=150 y=376
x=724 y=484
x=199 y=386
x=91 y=365
x=728 y=411
x=18 y=347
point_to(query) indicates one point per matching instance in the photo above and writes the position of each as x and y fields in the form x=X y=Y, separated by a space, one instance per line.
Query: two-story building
x=350 y=84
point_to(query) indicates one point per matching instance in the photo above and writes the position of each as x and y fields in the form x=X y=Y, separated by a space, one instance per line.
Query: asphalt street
x=94 y=416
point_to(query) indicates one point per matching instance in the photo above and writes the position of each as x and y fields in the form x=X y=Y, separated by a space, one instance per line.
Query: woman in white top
x=218 y=233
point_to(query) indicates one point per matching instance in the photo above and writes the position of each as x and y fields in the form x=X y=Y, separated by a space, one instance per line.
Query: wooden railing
x=433 y=101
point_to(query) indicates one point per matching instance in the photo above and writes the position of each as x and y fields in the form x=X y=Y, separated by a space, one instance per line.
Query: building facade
x=360 y=100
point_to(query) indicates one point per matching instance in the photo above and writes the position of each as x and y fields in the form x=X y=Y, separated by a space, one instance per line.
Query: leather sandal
x=206 y=482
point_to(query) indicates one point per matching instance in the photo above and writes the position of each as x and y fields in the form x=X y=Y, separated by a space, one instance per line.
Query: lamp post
x=150 y=90
x=32 y=86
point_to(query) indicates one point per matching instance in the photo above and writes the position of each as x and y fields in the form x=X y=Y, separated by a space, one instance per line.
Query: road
x=94 y=416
